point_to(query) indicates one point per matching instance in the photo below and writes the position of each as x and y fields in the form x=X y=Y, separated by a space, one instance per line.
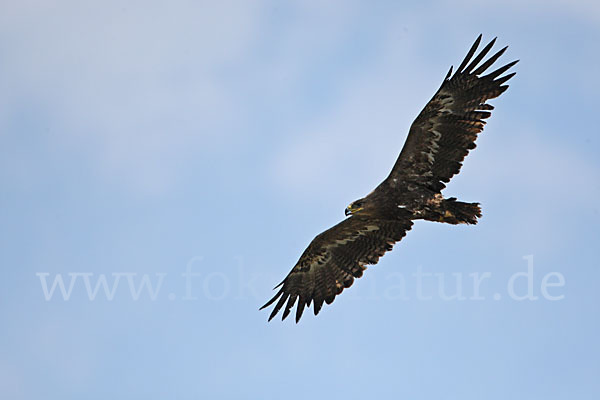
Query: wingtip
x=273 y=313
x=280 y=283
x=267 y=304
x=505 y=78
x=449 y=73
x=470 y=53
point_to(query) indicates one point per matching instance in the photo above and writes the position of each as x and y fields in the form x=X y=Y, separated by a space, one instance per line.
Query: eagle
x=437 y=143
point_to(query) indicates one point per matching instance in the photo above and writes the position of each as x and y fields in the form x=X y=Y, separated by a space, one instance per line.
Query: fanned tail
x=456 y=212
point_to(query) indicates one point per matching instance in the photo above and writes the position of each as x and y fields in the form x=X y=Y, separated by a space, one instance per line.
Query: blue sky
x=147 y=139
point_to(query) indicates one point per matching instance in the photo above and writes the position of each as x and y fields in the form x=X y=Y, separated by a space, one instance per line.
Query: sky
x=168 y=162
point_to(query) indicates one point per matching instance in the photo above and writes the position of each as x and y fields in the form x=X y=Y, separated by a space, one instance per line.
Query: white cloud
x=356 y=144
x=136 y=85
x=140 y=86
x=11 y=382
x=586 y=10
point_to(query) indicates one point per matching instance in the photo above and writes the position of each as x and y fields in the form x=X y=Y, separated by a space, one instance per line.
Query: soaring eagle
x=437 y=143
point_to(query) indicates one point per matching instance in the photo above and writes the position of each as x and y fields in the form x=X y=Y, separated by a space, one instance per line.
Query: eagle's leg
x=454 y=212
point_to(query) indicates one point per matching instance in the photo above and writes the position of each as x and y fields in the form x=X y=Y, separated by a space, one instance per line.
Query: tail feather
x=457 y=212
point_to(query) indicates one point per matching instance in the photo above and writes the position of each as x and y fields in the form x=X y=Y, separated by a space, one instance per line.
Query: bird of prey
x=437 y=143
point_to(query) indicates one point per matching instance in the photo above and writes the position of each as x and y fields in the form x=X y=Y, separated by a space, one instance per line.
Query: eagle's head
x=354 y=207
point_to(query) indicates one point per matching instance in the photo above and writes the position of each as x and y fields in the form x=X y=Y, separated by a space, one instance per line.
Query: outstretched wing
x=446 y=129
x=332 y=261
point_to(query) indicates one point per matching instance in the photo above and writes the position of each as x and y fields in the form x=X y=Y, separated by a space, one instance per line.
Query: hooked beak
x=347 y=211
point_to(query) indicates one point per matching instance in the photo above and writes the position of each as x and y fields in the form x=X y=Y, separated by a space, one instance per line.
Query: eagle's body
x=438 y=141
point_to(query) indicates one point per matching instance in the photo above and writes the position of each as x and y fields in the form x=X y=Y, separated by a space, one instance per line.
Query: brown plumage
x=437 y=143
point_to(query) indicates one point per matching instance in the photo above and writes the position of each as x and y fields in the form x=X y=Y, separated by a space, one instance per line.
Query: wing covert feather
x=333 y=260
x=446 y=129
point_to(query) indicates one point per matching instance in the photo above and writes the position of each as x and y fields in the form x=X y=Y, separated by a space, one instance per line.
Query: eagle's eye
x=353 y=207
